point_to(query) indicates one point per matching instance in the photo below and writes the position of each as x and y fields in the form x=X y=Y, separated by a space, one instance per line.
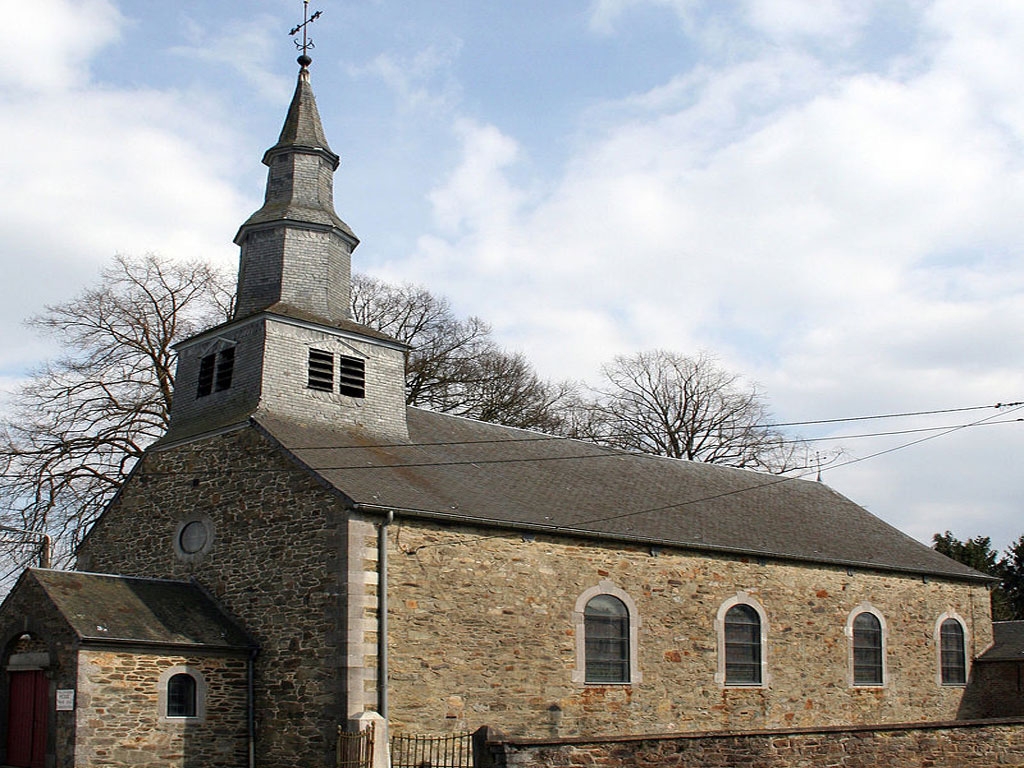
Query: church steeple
x=296 y=250
x=291 y=351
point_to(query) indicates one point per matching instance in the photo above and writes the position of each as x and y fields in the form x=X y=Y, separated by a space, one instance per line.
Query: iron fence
x=451 y=751
x=355 y=750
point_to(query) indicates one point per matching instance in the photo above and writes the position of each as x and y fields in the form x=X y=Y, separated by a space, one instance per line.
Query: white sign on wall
x=65 y=699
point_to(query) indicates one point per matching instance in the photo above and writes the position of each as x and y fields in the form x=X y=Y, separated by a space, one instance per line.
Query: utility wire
x=892 y=415
x=602 y=452
x=781 y=480
x=778 y=481
x=542 y=438
x=834 y=438
x=605 y=451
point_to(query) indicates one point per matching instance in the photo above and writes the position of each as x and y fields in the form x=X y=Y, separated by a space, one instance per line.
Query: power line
x=542 y=437
x=737 y=491
x=796 y=477
x=604 y=452
x=834 y=438
x=892 y=415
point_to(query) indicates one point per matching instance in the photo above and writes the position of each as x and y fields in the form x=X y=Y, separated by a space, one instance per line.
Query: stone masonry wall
x=278 y=562
x=119 y=712
x=948 y=745
x=996 y=691
x=482 y=633
x=30 y=624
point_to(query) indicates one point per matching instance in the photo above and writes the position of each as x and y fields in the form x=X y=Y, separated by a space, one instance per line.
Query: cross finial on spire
x=307 y=42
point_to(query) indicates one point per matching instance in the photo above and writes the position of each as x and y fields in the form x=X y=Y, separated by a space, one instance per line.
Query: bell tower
x=291 y=351
x=296 y=252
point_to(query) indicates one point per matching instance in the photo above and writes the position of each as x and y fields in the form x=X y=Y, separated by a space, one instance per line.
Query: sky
x=826 y=195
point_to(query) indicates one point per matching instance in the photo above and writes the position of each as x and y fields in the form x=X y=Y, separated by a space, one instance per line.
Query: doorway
x=26 y=719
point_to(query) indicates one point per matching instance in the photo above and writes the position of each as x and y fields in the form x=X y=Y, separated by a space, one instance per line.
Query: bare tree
x=667 y=404
x=78 y=425
x=454 y=365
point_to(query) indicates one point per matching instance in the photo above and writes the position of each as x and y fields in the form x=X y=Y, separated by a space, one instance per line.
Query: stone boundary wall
x=978 y=744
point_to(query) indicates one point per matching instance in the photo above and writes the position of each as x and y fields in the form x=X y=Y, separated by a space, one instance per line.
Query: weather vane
x=307 y=42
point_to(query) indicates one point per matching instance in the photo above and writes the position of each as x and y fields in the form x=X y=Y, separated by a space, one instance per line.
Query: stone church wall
x=482 y=632
x=30 y=625
x=119 y=709
x=997 y=690
x=482 y=624
x=277 y=560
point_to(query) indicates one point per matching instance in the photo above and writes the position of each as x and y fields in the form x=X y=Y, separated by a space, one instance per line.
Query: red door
x=26 y=720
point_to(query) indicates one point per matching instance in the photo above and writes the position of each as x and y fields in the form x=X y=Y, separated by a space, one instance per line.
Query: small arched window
x=742 y=646
x=868 y=652
x=953 y=655
x=606 y=628
x=181 y=695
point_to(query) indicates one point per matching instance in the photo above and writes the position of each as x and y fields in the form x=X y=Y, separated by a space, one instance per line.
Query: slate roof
x=282 y=310
x=473 y=472
x=1007 y=642
x=121 y=609
x=302 y=131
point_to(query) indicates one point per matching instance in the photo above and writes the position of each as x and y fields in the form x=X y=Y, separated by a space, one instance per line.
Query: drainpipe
x=382 y=614
x=251 y=703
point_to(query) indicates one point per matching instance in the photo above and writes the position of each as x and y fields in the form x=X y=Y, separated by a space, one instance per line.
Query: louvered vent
x=216 y=371
x=352 y=376
x=207 y=365
x=225 y=369
x=321 y=370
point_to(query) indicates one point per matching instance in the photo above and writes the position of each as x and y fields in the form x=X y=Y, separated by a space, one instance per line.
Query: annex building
x=302 y=547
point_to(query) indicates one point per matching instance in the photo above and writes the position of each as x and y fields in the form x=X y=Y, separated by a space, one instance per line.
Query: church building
x=302 y=547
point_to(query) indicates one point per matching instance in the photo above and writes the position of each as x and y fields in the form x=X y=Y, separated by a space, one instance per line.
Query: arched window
x=742 y=646
x=606 y=626
x=868 y=652
x=952 y=653
x=181 y=695
x=742 y=629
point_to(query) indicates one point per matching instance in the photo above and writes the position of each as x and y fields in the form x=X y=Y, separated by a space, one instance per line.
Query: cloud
x=604 y=14
x=849 y=238
x=100 y=170
x=245 y=46
x=458 y=203
x=47 y=46
x=421 y=80
x=824 y=20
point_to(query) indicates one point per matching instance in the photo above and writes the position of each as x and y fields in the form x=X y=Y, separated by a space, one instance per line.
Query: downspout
x=382 y=614
x=251 y=705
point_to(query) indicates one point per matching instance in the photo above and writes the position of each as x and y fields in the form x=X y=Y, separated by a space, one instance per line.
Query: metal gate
x=355 y=750
x=452 y=751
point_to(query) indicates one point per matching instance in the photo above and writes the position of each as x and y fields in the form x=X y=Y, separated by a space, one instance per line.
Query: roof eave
x=582 y=533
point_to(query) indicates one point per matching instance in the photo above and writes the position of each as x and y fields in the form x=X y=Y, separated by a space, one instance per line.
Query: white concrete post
x=381 y=751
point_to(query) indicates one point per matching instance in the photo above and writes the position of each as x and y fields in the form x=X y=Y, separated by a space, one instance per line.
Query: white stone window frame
x=938 y=649
x=741 y=598
x=579 y=673
x=201 y=691
x=866 y=607
x=211 y=534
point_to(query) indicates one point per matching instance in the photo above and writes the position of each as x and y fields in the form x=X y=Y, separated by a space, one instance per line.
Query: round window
x=193 y=537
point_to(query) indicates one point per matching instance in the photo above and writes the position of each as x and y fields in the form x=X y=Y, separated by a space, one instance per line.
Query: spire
x=296 y=251
x=302 y=127
x=291 y=350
